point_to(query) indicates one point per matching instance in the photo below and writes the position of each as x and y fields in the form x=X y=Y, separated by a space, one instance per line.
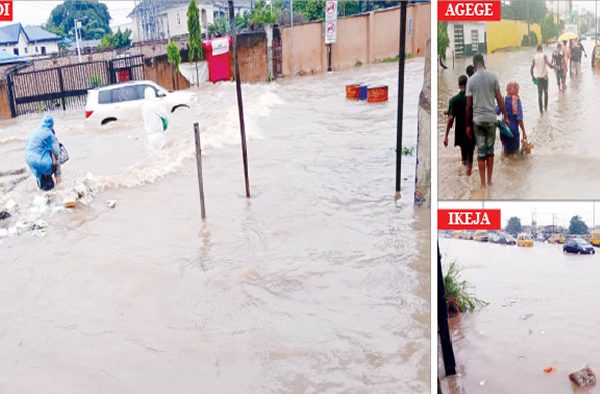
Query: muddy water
x=565 y=139
x=319 y=283
x=538 y=317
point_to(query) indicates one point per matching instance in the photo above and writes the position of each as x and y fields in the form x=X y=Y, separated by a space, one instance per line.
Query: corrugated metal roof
x=37 y=34
x=7 y=58
x=10 y=34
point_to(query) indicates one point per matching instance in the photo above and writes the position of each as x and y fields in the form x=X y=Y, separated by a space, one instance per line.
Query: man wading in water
x=482 y=89
x=539 y=74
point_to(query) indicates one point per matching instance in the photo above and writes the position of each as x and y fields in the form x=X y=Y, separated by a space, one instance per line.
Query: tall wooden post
x=238 y=88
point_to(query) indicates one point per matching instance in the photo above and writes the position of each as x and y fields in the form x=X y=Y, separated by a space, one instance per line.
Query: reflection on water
x=318 y=284
x=539 y=316
x=565 y=157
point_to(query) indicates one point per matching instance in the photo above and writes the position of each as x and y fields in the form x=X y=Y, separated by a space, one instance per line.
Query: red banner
x=469 y=219
x=6 y=10
x=469 y=10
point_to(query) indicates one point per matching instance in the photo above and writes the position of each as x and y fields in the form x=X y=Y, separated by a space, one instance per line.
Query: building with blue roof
x=25 y=41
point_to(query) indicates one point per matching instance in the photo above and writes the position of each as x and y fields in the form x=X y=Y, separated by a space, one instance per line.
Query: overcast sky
x=563 y=211
x=37 y=12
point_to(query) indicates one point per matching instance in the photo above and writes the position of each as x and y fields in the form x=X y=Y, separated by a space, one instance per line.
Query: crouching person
x=42 y=154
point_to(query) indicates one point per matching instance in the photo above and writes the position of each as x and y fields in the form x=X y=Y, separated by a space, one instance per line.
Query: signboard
x=220 y=46
x=331 y=11
x=6 y=10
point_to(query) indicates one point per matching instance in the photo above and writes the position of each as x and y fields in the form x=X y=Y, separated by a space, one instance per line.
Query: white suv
x=123 y=101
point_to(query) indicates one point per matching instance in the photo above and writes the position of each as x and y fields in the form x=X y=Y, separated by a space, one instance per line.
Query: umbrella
x=566 y=36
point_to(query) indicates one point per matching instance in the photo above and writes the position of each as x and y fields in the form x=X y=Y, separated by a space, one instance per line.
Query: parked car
x=494 y=238
x=524 y=240
x=507 y=239
x=123 y=101
x=481 y=236
x=595 y=238
x=579 y=246
x=557 y=239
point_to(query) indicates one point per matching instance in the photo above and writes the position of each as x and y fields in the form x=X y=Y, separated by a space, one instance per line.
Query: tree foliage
x=457 y=292
x=263 y=14
x=311 y=9
x=94 y=17
x=577 y=226
x=549 y=28
x=194 y=30
x=520 y=9
x=443 y=40
x=220 y=26
x=174 y=55
x=514 y=225
x=117 y=40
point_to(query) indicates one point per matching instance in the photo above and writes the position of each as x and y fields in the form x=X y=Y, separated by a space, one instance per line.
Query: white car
x=123 y=101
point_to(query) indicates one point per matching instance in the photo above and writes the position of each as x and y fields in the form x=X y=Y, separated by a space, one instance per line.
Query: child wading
x=457 y=116
x=514 y=111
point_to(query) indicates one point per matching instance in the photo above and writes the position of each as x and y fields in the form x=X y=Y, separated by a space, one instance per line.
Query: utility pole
x=444 y=330
x=292 y=33
x=77 y=25
x=238 y=89
x=402 y=53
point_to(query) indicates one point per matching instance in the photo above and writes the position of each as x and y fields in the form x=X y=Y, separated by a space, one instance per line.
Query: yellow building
x=508 y=33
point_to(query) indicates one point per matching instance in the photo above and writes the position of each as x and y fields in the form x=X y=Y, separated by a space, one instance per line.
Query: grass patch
x=408 y=150
x=457 y=292
x=358 y=63
x=395 y=58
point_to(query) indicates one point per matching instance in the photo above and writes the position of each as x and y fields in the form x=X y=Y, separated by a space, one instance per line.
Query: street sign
x=331 y=10
x=330 y=32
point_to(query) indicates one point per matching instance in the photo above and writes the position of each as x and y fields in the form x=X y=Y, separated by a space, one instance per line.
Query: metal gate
x=459 y=41
x=65 y=88
x=277 y=54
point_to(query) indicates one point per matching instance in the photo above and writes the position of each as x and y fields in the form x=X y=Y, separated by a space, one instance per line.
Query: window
x=141 y=88
x=43 y=50
x=36 y=49
x=16 y=51
x=105 y=97
x=178 y=19
x=26 y=50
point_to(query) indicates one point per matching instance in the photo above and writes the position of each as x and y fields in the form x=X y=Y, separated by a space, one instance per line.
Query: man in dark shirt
x=457 y=114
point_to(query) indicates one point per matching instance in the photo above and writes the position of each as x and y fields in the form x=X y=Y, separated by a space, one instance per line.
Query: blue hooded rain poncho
x=41 y=143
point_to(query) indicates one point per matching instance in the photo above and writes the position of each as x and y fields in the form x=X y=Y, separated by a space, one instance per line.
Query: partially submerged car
x=524 y=240
x=123 y=101
x=579 y=246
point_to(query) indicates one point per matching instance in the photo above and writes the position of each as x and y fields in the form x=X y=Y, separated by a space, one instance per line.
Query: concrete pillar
x=423 y=167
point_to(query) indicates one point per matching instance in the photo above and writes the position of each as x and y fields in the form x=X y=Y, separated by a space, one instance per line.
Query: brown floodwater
x=539 y=315
x=317 y=284
x=564 y=161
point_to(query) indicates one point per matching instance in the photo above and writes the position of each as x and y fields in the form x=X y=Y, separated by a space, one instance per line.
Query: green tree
x=266 y=16
x=311 y=9
x=195 y=40
x=94 y=17
x=514 y=225
x=443 y=41
x=577 y=226
x=549 y=28
x=174 y=57
x=117 y=40
x=532 y=10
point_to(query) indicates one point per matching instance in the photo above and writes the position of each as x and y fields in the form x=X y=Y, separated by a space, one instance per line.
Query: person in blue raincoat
x=42 y=154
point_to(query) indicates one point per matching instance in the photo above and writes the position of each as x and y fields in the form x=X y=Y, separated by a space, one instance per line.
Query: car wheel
x=179 y=106
x=107 y=120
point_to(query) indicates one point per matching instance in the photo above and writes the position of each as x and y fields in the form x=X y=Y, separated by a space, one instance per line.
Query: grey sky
x=37 y=12
x=563 y=211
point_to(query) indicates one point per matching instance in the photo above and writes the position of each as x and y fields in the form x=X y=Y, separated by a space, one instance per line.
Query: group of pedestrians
x=474 y=109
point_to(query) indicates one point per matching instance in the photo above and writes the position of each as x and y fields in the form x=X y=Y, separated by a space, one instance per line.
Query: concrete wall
x=252 y=57
x=423 y=168
x=508 y=33
x=367 y=38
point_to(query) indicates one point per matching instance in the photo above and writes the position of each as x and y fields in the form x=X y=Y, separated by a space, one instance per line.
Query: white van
x=123 y=101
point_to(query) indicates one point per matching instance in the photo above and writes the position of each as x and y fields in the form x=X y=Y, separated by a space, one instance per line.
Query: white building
x=164 y=19
x=466 y=39
x=28 y=40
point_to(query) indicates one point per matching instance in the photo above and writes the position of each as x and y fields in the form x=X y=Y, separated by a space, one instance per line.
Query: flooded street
x=565 y=158
x=538 y=316
x=317 y=284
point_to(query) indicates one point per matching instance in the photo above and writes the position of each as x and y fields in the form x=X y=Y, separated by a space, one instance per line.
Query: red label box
x=469 y=219
x=6 y=10
x=469 y=10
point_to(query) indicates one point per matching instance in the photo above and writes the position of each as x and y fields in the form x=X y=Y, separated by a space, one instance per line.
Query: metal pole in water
x=199 y=166
x=328 y=57
x=445 y=340
x=403 y=5
x=238 y=89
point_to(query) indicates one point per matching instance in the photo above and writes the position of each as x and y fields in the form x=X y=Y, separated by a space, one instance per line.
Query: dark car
x=507 y=239
x=579 y=246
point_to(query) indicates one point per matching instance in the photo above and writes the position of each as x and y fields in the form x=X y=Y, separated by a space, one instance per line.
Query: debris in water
x=513 y=301
x=4 y=215
x=526 y=316
x=40 y=201
x=70 y=202
x=583 y=378
x=111 y=203
x=549 y=370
